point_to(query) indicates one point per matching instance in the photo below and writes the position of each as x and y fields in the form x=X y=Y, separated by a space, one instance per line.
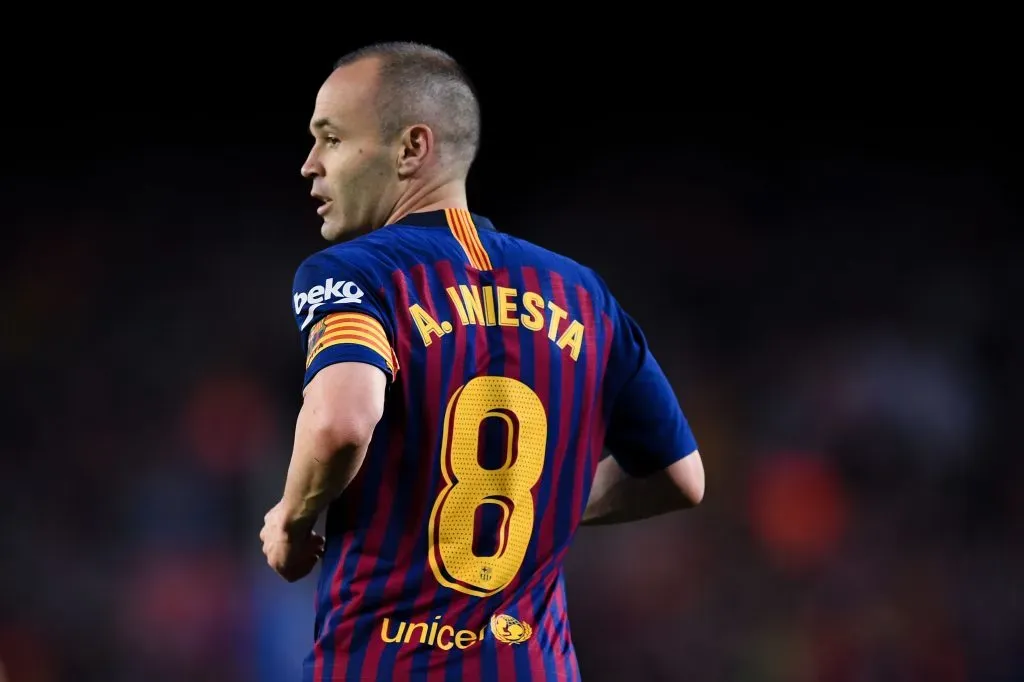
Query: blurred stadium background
x=826 y=266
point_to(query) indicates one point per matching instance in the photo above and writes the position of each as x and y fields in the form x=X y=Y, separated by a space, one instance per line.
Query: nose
x=311 y=167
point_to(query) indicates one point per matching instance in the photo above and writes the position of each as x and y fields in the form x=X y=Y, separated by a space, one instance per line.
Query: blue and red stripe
x=379 y=570
x=437 y=659
x=440 y=382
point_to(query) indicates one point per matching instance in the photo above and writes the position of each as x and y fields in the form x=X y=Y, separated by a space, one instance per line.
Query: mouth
x=325 y=203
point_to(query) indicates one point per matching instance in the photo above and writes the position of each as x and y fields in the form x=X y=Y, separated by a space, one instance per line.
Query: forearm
x=617 y=497
x=325 y=460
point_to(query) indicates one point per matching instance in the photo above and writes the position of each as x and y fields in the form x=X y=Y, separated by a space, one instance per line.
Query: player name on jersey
x=502 y=306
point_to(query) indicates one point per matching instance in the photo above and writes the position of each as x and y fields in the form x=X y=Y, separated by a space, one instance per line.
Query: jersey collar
x=439 y=218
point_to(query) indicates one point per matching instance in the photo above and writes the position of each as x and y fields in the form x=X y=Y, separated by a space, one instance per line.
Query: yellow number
x=469 y=485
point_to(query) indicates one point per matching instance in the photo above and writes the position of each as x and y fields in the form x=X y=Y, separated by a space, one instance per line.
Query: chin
x=333 y=231
x=328 y=231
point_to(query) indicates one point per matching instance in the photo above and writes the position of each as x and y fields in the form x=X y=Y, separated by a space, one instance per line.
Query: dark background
x=823 y=249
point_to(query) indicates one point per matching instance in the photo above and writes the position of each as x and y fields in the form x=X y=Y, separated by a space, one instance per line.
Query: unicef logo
x=510 y=630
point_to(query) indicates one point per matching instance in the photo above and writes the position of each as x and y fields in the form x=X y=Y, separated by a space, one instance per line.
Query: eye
x=331 y=140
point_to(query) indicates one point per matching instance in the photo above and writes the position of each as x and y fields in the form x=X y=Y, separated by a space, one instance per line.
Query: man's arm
x=654 y=465
x=344 y=327
x=617 y=497
x=341 y=407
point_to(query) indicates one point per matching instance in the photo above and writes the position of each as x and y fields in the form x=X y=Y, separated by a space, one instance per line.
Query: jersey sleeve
x=340 y=315
x=647 y=430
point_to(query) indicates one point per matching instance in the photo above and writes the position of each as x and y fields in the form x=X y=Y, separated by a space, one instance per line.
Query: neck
x=451 y=194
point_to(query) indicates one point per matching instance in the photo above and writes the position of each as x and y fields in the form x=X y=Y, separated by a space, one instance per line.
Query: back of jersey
x=506 y=363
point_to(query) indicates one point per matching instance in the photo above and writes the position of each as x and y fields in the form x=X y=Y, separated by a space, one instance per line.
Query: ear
x=415 y=146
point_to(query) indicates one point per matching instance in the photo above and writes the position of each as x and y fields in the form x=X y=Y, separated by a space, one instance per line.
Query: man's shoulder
x=555 y=261
x=358 y=257
x=342 y=274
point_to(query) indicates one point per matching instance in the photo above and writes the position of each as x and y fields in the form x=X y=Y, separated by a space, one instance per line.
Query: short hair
x=422 y=84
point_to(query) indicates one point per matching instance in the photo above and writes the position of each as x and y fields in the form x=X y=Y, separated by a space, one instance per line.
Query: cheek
x=369 y=172
x=341 y=172
x=358 y=175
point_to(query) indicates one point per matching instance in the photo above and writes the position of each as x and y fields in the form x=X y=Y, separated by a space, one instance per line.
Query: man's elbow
x=348 y=430
x=688 y=477
x=695 y=493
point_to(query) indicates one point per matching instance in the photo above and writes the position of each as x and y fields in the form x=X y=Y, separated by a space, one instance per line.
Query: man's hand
x=291 y=550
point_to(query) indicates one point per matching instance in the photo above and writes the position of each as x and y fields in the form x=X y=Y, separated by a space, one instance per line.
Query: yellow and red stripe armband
x=354 y=330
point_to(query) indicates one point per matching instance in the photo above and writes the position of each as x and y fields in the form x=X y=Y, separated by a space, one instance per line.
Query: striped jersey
x=509 y=369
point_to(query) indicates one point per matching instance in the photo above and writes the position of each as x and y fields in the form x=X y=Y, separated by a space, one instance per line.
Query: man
x=460 y=387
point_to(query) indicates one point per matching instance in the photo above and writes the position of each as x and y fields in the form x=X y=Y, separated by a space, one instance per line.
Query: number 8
x=469 y=485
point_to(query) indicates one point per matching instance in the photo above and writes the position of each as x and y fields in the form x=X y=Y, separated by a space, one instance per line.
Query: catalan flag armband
x=350 y=336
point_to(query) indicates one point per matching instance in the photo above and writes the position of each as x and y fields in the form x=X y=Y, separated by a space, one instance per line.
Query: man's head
x=392 y=120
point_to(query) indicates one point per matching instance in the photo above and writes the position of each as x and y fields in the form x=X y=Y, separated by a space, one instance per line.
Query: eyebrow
x=321 y=123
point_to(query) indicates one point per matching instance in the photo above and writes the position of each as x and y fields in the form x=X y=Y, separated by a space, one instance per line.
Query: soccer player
x=460 y=387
